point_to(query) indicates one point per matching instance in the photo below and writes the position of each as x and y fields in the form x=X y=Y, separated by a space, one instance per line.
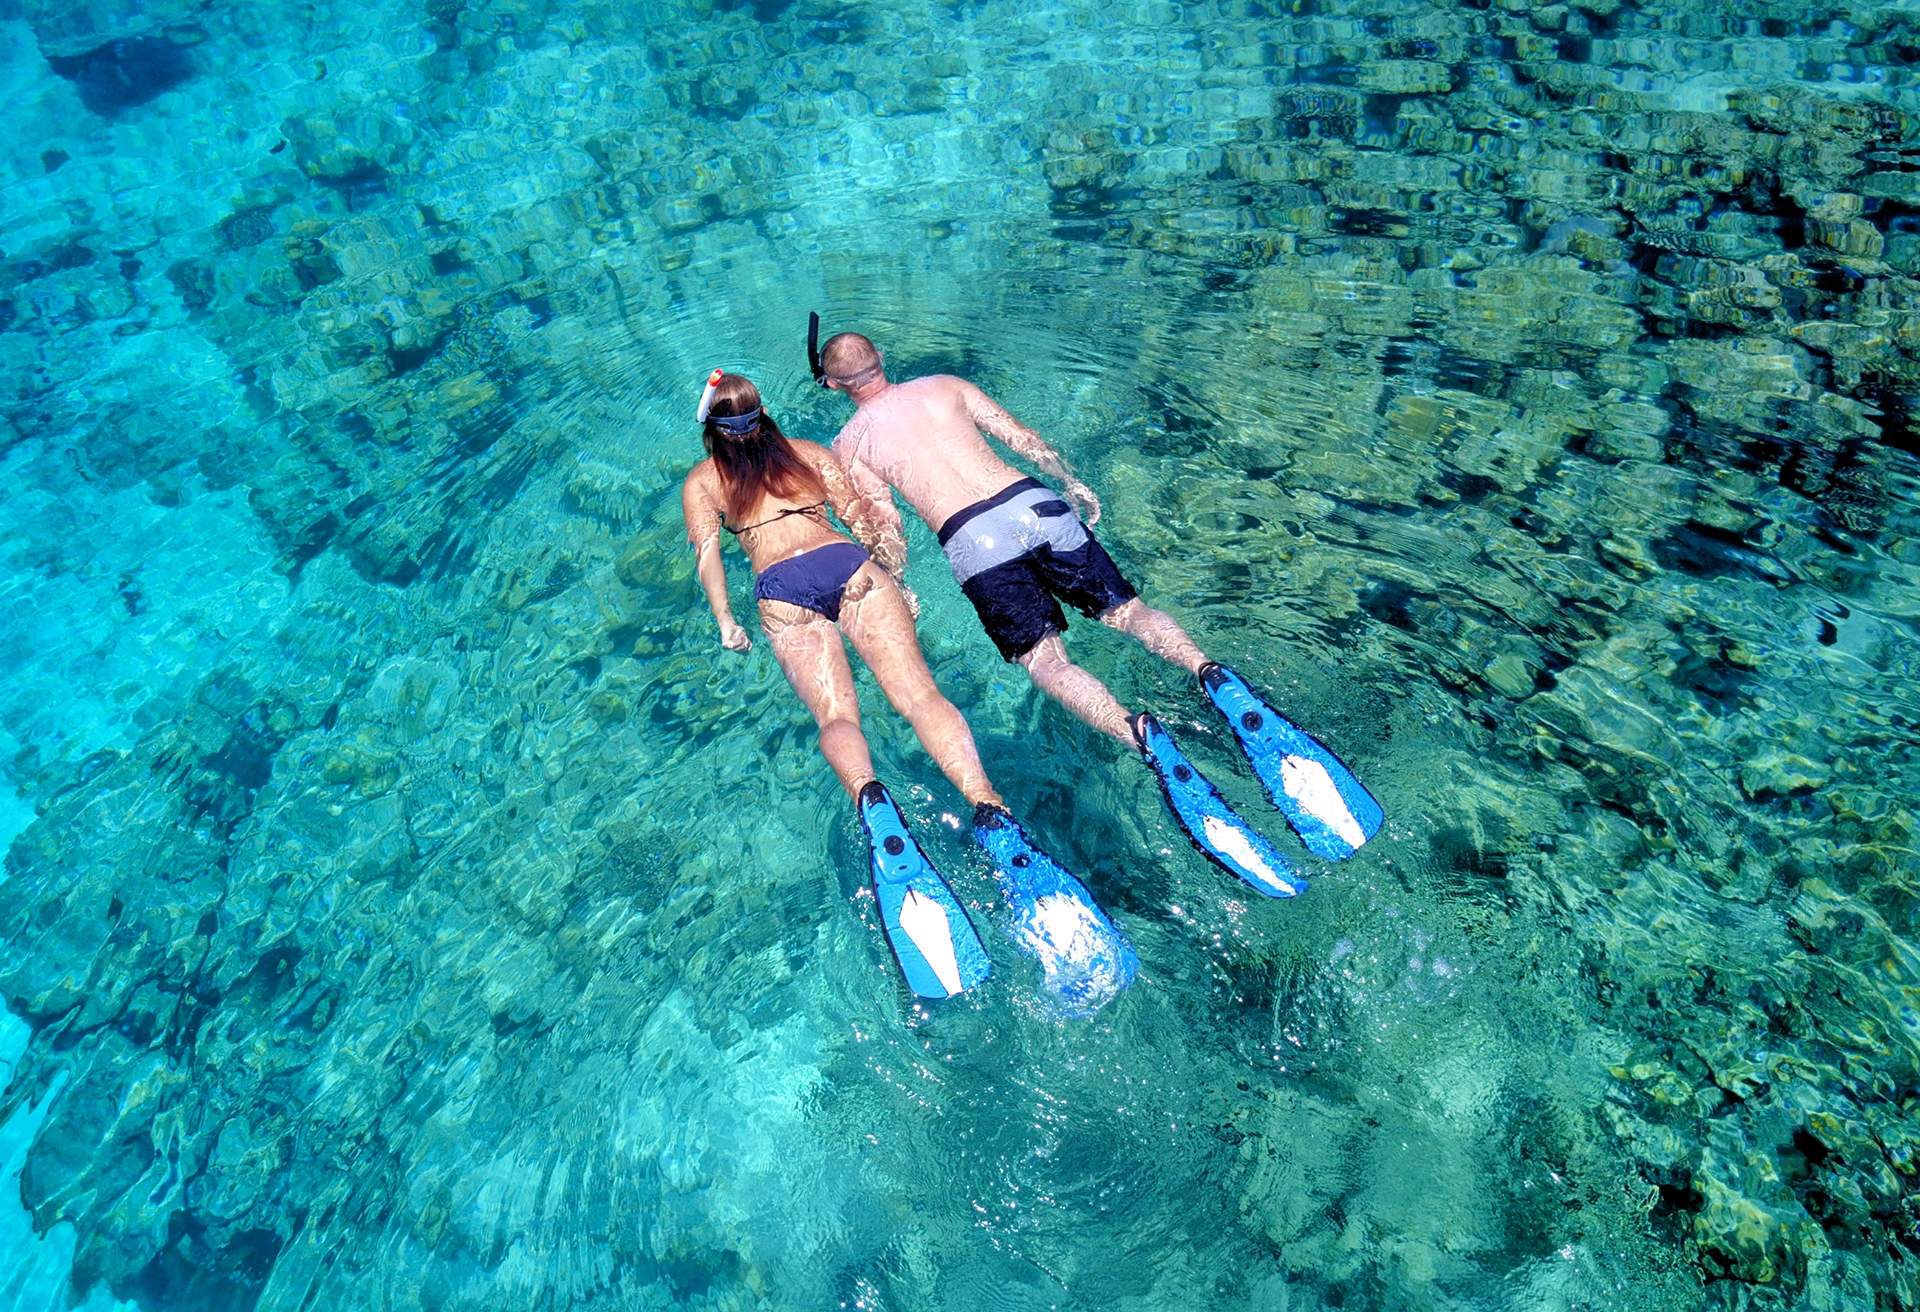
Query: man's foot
x=1215 y=827
x=1086 y=959
x=1322 y=799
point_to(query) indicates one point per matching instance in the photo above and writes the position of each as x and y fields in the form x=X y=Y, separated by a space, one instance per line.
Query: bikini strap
x=790 y=510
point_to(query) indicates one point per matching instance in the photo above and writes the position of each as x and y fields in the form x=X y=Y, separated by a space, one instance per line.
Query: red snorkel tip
x=706 y=395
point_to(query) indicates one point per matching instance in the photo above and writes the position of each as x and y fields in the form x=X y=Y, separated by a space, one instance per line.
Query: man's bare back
x=924 y=438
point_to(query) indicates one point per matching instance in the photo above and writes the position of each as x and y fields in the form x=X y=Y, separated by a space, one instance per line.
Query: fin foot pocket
x=1215 y=828
x=1085 y=958
x=932 y=938
x=1322 y=799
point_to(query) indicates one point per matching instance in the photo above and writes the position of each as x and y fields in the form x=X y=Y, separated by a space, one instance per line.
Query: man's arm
x=994 y=418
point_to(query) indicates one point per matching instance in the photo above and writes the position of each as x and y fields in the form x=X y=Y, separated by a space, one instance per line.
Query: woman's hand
x=1084 y=501
x=733 y=637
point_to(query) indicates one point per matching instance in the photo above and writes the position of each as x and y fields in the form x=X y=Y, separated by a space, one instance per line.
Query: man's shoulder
x=843 y=441
x=810 y=452
x=953 y=390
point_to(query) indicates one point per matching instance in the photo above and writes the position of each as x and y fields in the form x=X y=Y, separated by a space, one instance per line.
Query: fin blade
x=1214 y=826
x=1320 y=796
x=933 y=939
x=1085 y=958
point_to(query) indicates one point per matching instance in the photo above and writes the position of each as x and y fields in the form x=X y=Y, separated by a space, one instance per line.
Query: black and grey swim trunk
x=1019 y=554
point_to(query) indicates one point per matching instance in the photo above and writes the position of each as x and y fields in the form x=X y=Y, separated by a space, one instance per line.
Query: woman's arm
x=865 y=506
x=703 y=516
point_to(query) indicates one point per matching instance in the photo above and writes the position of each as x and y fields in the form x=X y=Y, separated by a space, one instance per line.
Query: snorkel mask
x=819 y=370
x=731 y=425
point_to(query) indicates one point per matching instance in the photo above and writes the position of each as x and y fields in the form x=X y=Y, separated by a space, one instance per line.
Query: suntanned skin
x=923 y=438
x=874 y=616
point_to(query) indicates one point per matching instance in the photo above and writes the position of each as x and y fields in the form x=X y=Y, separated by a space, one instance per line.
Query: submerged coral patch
x=121 y=75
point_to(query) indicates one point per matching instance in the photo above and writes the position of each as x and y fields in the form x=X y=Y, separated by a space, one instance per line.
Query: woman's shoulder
x=703 y=477
x=811 y=452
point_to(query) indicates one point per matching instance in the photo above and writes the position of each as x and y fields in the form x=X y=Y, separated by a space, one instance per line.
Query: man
x=1018 y=550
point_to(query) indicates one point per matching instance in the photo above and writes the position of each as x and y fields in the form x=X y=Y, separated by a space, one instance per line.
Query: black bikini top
x=813 y=509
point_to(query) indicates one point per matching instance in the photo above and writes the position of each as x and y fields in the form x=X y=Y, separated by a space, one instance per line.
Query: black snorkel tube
x=813 y=348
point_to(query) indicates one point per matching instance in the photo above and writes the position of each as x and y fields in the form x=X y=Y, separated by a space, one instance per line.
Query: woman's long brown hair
x=758 y=463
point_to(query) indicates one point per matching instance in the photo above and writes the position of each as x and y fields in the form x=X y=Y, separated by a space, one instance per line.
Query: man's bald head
x=849 y=359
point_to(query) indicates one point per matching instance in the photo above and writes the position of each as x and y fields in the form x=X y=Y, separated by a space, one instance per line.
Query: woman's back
x=780 y=524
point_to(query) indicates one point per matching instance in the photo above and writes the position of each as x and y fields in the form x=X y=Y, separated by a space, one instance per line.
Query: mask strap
x=854 y=379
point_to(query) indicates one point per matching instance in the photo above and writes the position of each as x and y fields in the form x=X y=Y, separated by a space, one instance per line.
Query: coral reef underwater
x=407 y=905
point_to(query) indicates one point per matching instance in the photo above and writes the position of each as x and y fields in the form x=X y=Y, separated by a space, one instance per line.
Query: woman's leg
x=874 y=615
x=809 y=650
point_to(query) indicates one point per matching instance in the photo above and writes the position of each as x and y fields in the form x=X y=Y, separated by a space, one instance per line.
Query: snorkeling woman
x=815 y=586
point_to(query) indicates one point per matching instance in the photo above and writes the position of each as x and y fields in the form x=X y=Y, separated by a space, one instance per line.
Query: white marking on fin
x=1060 y=919
x=1234 y=842
x=926 y=924
x=1308 y=784
x=1086 y=964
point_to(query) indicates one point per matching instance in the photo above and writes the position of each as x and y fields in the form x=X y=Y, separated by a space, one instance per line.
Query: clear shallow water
x=408 y=905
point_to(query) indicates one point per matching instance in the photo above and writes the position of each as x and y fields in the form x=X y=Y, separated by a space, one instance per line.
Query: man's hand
x=733 y=637
x=1084 y=501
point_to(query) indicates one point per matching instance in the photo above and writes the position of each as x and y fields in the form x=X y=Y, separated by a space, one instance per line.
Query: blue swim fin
x=1215 y=828
x=931 y=937
x=1323 y=801
x=1086 y=959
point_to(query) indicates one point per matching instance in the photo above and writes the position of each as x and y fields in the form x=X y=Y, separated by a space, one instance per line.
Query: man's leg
x=1079 y=571
x=1084 y=576
x=1214 y=826
x=1052 y=673
x=1157 y=631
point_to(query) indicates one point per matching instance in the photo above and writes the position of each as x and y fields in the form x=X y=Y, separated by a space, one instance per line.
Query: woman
x=814 y=585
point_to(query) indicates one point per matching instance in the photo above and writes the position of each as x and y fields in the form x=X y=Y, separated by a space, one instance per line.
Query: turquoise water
x=408 y=904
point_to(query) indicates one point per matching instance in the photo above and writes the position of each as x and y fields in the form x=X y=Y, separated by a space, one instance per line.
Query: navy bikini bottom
x=814 y=579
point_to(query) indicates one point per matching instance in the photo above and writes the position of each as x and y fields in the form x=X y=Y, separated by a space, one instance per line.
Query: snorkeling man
x=1018 y=549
